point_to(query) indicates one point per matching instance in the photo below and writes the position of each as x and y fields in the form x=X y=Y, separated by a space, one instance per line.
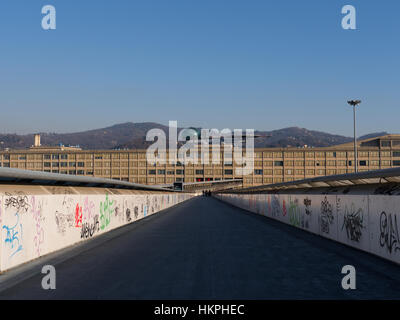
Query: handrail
x=350 y=179
x=10 y=175
x=212 y=182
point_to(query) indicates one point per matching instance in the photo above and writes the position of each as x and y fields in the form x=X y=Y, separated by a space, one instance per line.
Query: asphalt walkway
x=206 y=249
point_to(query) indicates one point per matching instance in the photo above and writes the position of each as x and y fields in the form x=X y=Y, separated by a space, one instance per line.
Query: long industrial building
x=271 y=165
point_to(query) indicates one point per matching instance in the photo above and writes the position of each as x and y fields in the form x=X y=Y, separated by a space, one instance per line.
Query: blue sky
x=210 y=63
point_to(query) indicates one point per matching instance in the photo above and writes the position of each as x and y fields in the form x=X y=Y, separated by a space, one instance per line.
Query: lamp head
x=354 y=102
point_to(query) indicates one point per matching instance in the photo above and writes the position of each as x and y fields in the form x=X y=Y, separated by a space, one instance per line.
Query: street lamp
x=355 y=103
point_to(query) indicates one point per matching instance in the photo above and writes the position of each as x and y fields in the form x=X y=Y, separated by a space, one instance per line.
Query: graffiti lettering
x=63 y=221
x=294 y=212
x=88 y=209
x=389 y=232
x=326 y=218
x=88 y=230
x=338 y=205
x=36 y=210
x=128 y=215
x=119 y=212
x=78 y=216
x=13 y=235
x=106 y=210
x=353 y=222
x=305 y=218
x=276 y=206
x=307 y=203
x=19 y=202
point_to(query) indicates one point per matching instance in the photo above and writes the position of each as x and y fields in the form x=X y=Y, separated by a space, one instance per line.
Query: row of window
x=287 y=163
x=299 y=172
x=327 y=154
x=274 y=174
x=217 y=171
x=328 y=163
x=257 y=155
x=312 y=163
x=197 y=172
x=63 y=164
x=73 y=172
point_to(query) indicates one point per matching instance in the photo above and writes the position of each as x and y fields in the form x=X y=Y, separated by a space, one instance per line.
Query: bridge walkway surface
x=205 y=249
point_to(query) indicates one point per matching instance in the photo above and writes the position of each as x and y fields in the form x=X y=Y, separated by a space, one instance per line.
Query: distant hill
x=104 y=138
x=298 y=137
x=133 y=135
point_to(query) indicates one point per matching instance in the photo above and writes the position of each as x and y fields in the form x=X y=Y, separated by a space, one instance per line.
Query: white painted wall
x=35 y=225
x=366 y=222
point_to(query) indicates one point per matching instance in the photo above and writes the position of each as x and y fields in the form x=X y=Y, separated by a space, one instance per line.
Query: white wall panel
x=366 y=222
x=384 y=221
x=34 y=225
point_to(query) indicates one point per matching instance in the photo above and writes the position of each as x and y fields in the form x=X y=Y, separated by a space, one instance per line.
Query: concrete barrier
x=365 y=222
x=37 y=220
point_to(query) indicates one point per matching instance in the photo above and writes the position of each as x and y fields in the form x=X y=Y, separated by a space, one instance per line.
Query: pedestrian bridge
x=106 y=240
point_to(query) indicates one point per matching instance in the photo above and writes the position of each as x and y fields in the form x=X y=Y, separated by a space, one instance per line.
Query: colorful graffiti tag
x=13 y=238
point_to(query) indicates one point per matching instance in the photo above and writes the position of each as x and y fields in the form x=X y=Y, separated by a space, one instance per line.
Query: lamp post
x=355 y=103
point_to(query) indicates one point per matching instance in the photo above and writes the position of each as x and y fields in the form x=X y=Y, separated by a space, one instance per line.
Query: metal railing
x=19 y=176
x=201 y=185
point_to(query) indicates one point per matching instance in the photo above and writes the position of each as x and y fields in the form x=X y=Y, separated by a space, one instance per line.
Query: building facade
x=271 y=165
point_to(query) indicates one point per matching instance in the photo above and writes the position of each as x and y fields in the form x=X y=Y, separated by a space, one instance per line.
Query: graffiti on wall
x=13 y=238
x=63 y=221
x=36 y=210
x=326 y=218
x=119 y=212
x=78 y=216
x=46 y=223
x=353 y=222
x=19 y=202
x=276 y=206
x=88 y=210
x=338 y=205
x=294 y=212
x=365 y=222
x=128 y=215
x=106 y=211
x=89 y=229
x=64 y=217
x=389 y=232
x=306 y=217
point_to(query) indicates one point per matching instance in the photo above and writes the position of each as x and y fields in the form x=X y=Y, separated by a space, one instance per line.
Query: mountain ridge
x=129 y=135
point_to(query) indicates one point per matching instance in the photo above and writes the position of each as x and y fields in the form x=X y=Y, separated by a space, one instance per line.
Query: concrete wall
x=39 y=220
x=365 y=222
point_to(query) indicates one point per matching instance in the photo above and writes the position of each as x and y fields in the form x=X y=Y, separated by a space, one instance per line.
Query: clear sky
x=258 y=64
